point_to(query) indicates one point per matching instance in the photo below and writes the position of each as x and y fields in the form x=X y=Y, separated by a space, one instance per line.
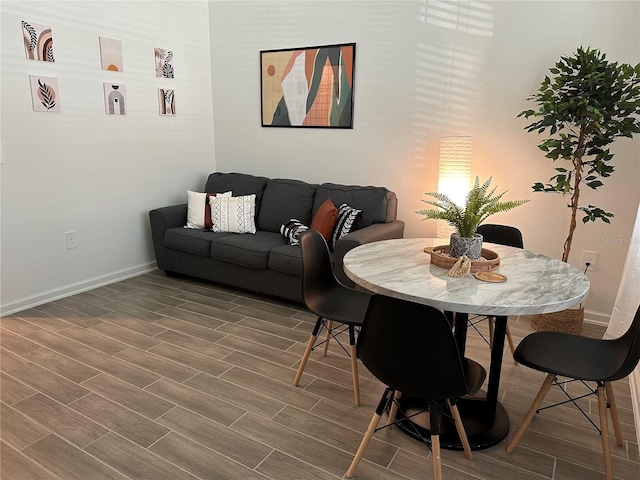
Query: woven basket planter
x=566 y=321
x=440 y=256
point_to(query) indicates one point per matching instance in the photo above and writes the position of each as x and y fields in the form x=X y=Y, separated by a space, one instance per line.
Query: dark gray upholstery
x=246 y=249
x=371 y=200
x=191 y=240
x=238 y=183
x=264 y=262
x=283 y=200
x=286 y=259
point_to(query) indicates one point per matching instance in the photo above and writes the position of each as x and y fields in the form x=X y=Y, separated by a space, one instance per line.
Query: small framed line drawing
x=166 y=101
x=164 y=63
x=111 y=54
x=44 y=93
x=115 y=99
x=38 y=41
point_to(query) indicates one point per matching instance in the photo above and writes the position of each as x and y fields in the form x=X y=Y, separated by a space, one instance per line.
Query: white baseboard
x=72 y=289
x=596 y=318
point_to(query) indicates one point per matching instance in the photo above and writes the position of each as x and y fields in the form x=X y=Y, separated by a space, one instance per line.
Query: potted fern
x=480 y=204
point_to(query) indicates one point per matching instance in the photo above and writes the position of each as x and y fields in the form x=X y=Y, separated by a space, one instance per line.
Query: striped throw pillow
x=292 y=230
x=349 y=220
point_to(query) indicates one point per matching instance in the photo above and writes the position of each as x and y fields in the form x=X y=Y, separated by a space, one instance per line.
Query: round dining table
x=534 y=284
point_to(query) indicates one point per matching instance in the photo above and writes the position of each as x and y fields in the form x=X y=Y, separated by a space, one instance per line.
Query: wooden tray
x=491 y=277
x=440 y=257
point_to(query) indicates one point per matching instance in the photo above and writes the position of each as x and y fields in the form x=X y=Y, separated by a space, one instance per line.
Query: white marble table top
x=400 y=268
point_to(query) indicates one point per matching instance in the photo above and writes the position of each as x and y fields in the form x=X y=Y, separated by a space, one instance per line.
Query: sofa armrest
x=372 y=233
x=162 y=219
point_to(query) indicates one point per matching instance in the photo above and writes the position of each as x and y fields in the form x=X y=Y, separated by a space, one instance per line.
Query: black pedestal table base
x=484 y=428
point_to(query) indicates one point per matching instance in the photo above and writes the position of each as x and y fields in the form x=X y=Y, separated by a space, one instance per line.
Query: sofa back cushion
x=238 y=183
x=283 y=200
x=373 y=201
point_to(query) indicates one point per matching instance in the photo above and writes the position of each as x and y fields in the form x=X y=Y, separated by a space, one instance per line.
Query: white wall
x=83 y=170
x=416 y=80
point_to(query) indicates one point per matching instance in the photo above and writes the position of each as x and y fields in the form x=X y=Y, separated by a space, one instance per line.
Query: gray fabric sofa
x=265 y=262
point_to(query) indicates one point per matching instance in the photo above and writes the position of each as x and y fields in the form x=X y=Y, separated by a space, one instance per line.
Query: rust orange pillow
x=324 y=221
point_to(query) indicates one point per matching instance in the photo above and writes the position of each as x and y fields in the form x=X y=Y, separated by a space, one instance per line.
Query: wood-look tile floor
x=169 y=378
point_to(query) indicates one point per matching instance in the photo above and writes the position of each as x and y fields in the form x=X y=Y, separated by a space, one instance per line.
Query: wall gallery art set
x=38 y=45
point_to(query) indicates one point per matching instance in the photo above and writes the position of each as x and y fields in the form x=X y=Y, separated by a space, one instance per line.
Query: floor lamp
x=454 y=175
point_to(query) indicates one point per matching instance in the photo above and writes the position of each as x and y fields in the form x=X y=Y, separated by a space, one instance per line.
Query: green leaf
x=481 y=203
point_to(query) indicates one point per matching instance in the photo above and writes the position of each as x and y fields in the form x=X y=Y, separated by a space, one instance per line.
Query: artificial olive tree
x=583 y=107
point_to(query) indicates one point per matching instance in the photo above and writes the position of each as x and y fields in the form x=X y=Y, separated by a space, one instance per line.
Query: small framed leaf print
x=164 y=63
x=44 y=93
x=38 y=41
x=166 y=101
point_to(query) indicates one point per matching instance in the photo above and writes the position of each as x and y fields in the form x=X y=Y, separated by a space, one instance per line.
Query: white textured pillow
x=234 y=214
x=198 y=209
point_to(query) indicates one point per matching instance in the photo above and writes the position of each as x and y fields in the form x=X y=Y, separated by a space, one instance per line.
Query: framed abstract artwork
x=308 y=87
x=111 y=54
x=44 y=93
x=38 y=41
x=166 y=101
x=164 y=63
x=115 y=99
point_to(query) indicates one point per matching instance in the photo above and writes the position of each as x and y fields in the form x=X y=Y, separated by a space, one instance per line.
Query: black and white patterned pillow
x=292 y=230
x=349 y=220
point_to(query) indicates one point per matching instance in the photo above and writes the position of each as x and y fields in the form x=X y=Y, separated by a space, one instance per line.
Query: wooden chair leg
x=354 y=365
x=393 y=409
x=437 y=462
x=303 y=362
x=327 y=338
x=604 y=432
x=453 y=408
x=615 y=420
x=546 y=385
x=511 y=344
x=491 y=320
x=354 y=374
x=373 y=424
x=435 y=418
x=307 y=351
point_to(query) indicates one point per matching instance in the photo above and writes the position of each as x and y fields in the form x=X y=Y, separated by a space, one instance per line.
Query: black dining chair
x=339 y=308
x=581 y=359
x=410 y=348
x=502 y=235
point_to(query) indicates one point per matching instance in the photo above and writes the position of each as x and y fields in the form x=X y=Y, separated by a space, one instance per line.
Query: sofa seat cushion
x=248 y=250
x=283 y=200
x=191 y=240
x=286 y=259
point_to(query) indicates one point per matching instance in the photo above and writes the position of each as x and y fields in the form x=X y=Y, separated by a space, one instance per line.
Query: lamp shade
x=454 y=174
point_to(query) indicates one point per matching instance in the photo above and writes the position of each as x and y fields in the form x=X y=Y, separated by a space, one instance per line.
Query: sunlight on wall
x=474 y=17
x=449 y=62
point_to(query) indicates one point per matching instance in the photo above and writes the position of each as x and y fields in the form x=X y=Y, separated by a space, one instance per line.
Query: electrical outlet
x=70 y=239
x=590 y=258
